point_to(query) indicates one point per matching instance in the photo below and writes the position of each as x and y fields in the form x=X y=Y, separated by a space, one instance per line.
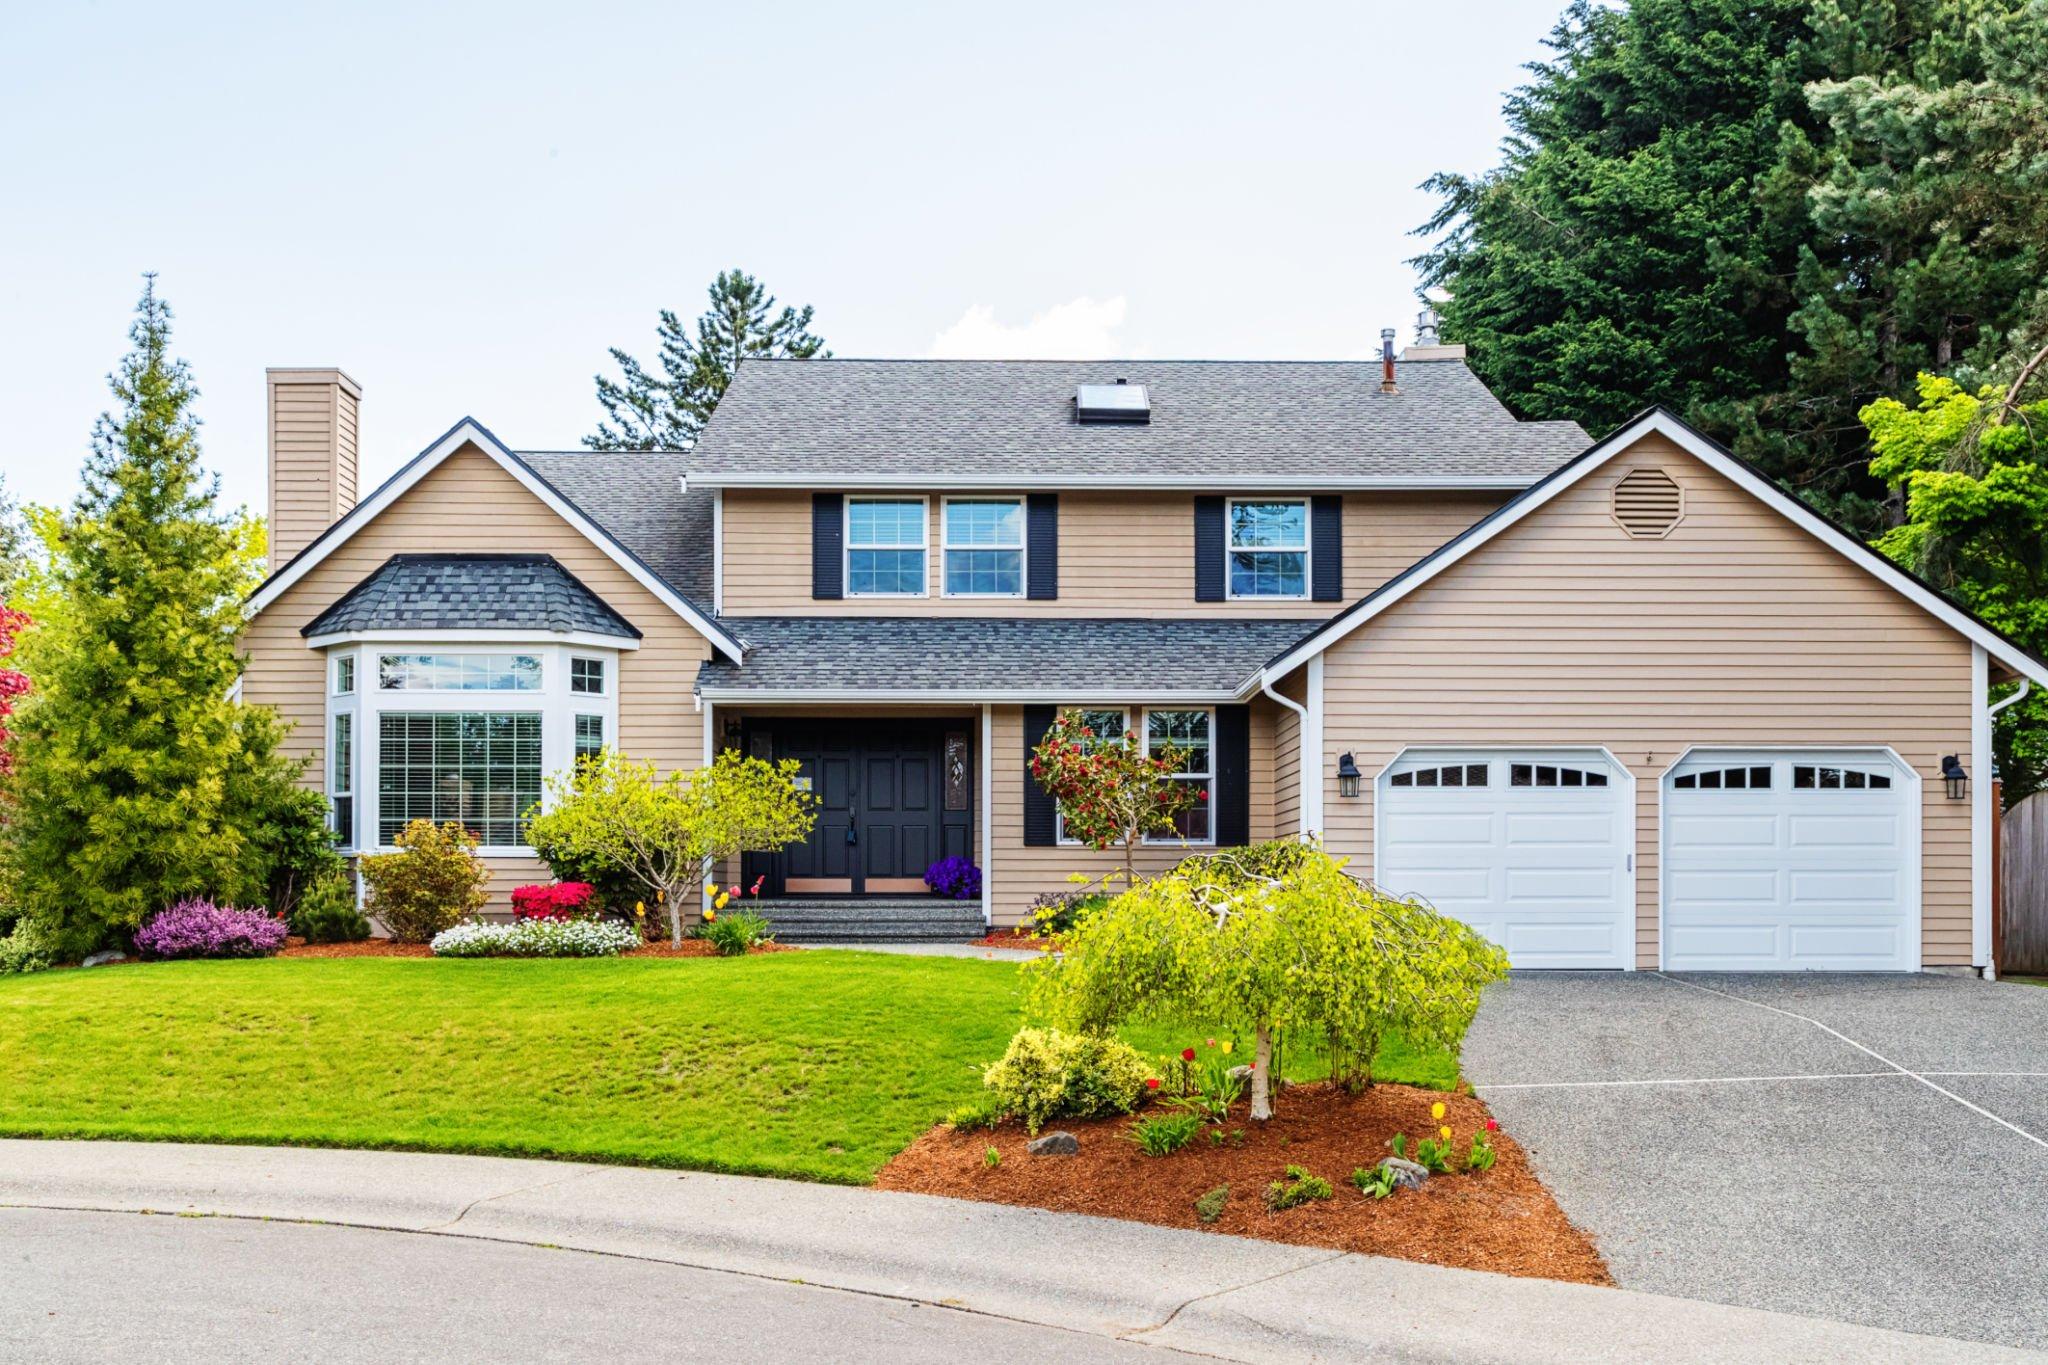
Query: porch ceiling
x=1005 y=657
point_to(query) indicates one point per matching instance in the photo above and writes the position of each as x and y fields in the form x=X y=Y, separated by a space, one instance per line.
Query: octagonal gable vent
x=1648 y=503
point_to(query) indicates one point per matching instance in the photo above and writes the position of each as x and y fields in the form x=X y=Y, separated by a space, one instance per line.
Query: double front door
x=894 y=797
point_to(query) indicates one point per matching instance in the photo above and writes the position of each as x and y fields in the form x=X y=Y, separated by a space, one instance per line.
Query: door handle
x=852 y=836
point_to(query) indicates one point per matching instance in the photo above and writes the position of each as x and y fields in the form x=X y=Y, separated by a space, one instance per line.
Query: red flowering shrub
x=1111 y=792
x=560 y=900
x=13 y=682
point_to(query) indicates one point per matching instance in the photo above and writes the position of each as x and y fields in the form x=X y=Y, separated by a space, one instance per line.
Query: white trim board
x=1247 y=483
x=470 y=432
x=1721 y=462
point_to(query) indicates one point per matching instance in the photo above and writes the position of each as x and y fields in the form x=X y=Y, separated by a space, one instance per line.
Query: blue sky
x=464 y=205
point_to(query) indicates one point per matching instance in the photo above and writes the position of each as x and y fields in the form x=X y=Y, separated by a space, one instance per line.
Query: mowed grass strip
x=818 y=1065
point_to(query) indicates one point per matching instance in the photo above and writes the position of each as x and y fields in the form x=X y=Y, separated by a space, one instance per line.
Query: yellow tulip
x=639 y=907
x=722 y=899
x=1446 y=1132
x=1436 y=1111
x=1227 y=1045
x=710 y=915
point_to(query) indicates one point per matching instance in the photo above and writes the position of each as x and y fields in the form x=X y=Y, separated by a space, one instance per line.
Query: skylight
x=1118 y=402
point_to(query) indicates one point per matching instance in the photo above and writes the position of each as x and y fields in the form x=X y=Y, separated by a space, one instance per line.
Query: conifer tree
x=665 y=411
x=138 y=778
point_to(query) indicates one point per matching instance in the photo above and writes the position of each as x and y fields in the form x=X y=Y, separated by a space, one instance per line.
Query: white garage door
x=1788 y=861
x=1531 y=849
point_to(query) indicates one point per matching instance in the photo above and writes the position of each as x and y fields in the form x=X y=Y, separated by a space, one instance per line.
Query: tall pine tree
x=666 y=411
x=138 y=778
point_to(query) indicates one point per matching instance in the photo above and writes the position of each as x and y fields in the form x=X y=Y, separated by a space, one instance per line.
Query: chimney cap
x=313 y=374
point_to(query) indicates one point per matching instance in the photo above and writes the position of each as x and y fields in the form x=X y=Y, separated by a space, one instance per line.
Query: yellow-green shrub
x=433 y=882
x=1048 y=1074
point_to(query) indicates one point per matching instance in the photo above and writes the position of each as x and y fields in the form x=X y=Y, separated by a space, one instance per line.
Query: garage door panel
x=1689 y=831
x=1842 y=831
x=1569 y=829
x=1788 y=874
x=1539 y=868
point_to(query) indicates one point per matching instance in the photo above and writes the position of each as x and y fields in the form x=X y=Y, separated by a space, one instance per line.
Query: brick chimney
x=313 y=426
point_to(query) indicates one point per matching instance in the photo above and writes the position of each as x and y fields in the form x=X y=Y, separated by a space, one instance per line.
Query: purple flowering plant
x=958 y=878
x=196 y=927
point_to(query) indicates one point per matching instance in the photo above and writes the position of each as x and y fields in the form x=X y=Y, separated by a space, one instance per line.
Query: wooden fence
x=2023 y=888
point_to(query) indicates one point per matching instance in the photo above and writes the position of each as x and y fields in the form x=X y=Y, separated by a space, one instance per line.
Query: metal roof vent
x=1648 y=503
x=1129 y=404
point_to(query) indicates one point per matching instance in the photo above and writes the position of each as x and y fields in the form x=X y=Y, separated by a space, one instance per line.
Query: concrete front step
x=873 y=921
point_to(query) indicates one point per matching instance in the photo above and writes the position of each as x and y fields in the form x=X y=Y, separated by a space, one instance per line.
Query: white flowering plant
x=537 y=938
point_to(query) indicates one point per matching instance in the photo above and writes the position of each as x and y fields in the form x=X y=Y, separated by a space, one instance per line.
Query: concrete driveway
x=1867 y=1148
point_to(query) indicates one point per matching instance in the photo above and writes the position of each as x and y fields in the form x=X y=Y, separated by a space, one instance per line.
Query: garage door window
x=1819 y=778
x=1451 y=775
x=1749 y=778
x=1553 y=775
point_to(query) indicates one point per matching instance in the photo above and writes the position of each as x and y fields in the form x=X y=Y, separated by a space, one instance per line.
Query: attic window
x=1648 y=503
x=1118 y=402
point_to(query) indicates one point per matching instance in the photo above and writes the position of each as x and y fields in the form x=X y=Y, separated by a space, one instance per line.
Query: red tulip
x=1492 y=1127
x=1187 y=1054
x=1151 y=1082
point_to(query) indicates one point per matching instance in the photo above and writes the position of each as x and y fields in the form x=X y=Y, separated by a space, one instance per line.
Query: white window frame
x=556 y=705
x=604 y=674
x=923 y=546
x=1307 y=551
x=341 y=776
x=1022 y=547
x=1141 y=717
x=347 y=662
x=1207 y=776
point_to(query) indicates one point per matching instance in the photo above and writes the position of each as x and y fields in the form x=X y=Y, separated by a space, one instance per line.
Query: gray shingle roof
x=637 y=496
x=1214 y=424
x=1069 y=656
x=471 y=592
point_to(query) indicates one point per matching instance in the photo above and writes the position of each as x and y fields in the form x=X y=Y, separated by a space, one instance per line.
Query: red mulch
x=1500 y=1220
x=384 y=947
x=1011 y=938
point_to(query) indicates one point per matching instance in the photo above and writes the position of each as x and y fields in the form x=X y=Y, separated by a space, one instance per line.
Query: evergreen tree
x=666 y=411
x=138 y=778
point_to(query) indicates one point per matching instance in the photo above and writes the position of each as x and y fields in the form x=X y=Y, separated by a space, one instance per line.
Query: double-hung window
x=1187 y=731
x=983 y=544
x=341 y=783
x=1268 y=548
x=885 y=545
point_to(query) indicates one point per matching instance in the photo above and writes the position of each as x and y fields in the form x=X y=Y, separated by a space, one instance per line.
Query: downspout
x=2026 y=686
x=1991 y=816
x=1302 y=767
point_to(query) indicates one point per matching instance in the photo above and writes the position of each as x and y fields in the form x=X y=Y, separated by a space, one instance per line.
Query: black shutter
x=1042 y=542
x=828 y=537
x=1041 y=829
x=1326 y=552
x=1208 y=549
x=1231 y=801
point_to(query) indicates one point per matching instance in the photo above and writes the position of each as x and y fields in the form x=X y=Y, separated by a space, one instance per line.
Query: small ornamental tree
x=1110 y=792
x=668 y=833
x=1272 y=937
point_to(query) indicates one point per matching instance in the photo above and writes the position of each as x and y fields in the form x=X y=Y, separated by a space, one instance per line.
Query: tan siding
x=1121 y=554
x=470 y=504
x=1018 y=873
x=1737 y=629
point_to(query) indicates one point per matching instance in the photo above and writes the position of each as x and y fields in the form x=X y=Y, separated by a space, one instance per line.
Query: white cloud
x=1082 y=329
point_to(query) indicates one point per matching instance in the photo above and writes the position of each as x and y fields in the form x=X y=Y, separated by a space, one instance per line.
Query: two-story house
x=1618 y=704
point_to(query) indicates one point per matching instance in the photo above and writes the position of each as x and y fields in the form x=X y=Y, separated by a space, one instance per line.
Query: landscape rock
x=1054 y=1144
x=103 y=958
x=1407 y=1174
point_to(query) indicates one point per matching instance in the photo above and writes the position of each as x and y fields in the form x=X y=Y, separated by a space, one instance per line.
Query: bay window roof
x=471 y=592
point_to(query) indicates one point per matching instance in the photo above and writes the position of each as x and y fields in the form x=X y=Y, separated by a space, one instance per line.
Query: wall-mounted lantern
x=1347 y=776
x=1954 y=778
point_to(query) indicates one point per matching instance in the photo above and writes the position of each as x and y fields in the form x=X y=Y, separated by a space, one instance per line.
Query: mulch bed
x=384 y=947
x=1005 y=938
x=1500 y=1220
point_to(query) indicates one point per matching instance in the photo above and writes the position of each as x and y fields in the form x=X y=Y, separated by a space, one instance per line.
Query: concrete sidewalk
x=1229 y=1297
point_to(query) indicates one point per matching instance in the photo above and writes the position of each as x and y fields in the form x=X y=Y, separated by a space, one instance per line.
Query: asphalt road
x=1872 y=1149
x=98 y=1287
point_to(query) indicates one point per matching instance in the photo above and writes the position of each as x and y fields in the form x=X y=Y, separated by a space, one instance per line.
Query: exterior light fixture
x=1954 y=778
x=1347 y=776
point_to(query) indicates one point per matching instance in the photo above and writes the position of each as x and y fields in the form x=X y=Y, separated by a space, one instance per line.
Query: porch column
x=987 y=760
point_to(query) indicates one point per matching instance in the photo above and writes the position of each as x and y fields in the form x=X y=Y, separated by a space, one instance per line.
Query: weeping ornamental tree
x=1269 y=938
x=137 y=777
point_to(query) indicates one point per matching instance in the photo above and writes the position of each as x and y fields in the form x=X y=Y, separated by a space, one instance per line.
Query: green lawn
x=818 y=1065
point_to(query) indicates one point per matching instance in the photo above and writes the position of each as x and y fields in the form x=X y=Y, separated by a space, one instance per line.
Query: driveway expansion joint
x=1867 y=1051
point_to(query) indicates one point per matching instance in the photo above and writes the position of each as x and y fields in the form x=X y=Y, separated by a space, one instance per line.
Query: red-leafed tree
x=1111 y=792
x=13 y=682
